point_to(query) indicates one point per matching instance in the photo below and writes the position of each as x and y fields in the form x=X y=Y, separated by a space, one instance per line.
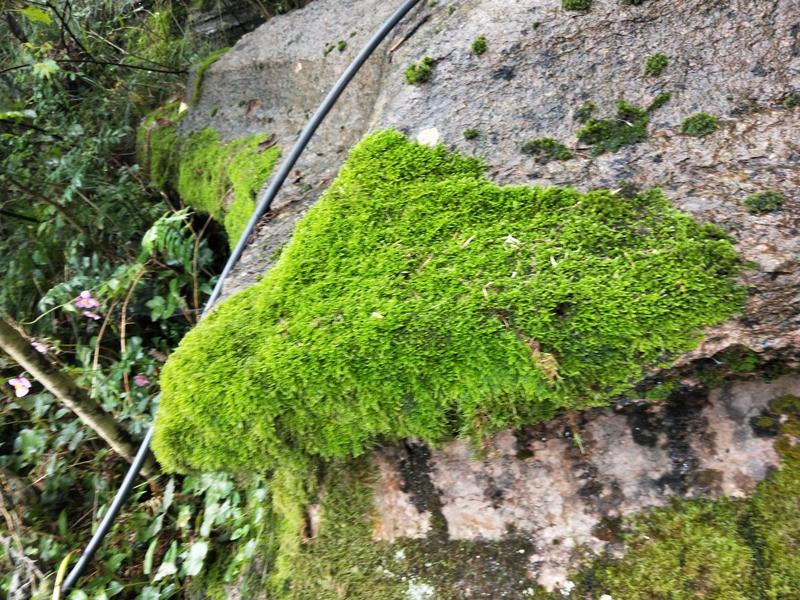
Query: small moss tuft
x=420 y=72
x=699 y=125
x=545 y=149
x=576 y=5
x=609 y=135
x=472 y=133
x=200 y=72
x=585 y=111
x=418 y=299
x=659 y=101
x=655 y=64
x=764 y=202
x=479 y=46
x=341 y=45
x=792 y=100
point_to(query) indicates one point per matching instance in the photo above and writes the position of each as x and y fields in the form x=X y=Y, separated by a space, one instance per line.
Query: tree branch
x=69 y=394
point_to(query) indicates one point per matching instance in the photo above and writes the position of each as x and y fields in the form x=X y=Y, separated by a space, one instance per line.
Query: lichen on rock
x=418 y=299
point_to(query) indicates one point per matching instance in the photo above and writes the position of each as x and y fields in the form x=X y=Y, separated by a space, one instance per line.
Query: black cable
x=264 y=202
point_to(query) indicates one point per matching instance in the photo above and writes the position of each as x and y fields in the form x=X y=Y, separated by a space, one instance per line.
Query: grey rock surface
x=558 y=482
x=737 y=59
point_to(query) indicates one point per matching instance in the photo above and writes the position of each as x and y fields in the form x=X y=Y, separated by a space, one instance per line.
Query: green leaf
x=45 y=69
x=148 y=556
x=62 y=524
x=169 y=494
x=36 y=15
x=197 y=555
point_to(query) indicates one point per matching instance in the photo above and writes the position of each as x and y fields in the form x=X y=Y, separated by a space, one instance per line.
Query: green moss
x=764 y=202
x=655 y=64
x=792 y=100
x=546 y=149
x=219 y=179
x=629 y=126
x=739 y=360
x=200 y=72
x=699 y=125
x=693 y=550
x=661 y=391
x=585 y=111
x=786 y=404
x=341 y=45
x=479 y=46
x=420 y=72
x=659 y=101
x=418 y=299
x=471 y=134
x=157 y=144
x=580 y=5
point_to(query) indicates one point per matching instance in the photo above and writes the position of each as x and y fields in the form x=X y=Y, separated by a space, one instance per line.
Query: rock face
x=739 y=60
x=558 y=483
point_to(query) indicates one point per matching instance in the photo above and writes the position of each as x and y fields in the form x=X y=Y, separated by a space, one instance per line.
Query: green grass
x=699 y=125
x=545 y=149
x=418 y=299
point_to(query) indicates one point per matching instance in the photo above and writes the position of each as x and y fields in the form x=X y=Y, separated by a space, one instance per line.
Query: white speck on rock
x=420 y=591
x=566 y=588
x=429 y=137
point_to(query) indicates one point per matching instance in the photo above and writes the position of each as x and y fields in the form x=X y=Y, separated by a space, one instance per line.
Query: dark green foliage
x=546 y=149
x=609 y=135
x=792 y=100
x=585 y=111
x=581 y=5
x=417 y=299
x=764 y=202
x=699 y=125
x=471 y=134
x=479 y=46
x=655 y=64
x=659 y=101
x=200 y=72
x=420 y=72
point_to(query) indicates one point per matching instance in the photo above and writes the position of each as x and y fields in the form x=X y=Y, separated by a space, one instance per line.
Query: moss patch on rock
x=220 y=179
x=545 y=149
x=699 y=125
x=418 y=299
x=628 y=126
x=200 y=72
x=733 y=549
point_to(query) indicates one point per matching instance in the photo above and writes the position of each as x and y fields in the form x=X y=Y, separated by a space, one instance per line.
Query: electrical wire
x=264 y=202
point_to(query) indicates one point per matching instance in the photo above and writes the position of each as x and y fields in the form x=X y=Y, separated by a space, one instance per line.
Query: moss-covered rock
x=418 y=299
x=220 y=179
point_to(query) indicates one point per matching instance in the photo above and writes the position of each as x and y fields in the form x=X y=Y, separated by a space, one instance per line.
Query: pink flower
x=92 y=315
x=141 y=380
x=39 y=346
x=21 y=385
x=85 y=300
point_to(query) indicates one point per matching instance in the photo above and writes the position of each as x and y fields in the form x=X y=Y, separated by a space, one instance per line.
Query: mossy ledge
x=732 y=548
x=216 y=178
x=418 y=299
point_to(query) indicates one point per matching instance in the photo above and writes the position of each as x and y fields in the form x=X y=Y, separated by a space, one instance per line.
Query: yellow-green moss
x=418 y=299
x=699 y=125
x=655 y=64
x=419 y=72
x=220 y=179
x=200 y=72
